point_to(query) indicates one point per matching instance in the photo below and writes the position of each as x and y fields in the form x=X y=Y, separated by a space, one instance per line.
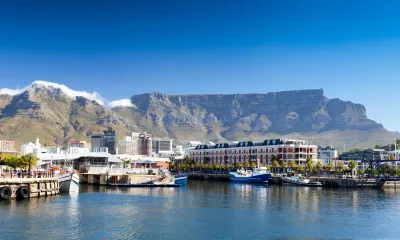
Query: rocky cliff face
x=50 y=113
x=57 y=113
x=238 y=116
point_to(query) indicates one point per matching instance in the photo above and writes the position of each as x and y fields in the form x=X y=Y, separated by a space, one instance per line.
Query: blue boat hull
x=181 y=179
x=262 y=178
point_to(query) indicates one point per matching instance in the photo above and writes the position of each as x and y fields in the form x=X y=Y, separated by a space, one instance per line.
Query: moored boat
x=259 y=175
x=301 y=181
x=69 y=182
x=181 y=179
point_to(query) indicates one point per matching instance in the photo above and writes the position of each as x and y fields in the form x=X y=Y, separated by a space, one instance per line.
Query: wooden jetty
x=11 y=188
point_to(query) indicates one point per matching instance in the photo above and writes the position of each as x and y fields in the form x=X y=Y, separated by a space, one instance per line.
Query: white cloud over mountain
x=69 y=92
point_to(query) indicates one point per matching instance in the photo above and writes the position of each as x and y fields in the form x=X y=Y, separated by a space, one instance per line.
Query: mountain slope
x=51 y=113
x=57 y=114
x=302 y=114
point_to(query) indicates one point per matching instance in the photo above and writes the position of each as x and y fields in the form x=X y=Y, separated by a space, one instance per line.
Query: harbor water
x=206 y=210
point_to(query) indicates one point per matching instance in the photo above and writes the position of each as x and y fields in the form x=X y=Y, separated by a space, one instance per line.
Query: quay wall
x=209 y=176
x=11 y=188
x=104 y=178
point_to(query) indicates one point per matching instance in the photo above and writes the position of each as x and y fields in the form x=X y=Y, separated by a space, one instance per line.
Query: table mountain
x=58 y=114
x=219 y=117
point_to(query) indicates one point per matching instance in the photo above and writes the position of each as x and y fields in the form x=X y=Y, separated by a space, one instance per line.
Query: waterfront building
x=96 y=140
x=327 y=155
x=109 y=140
x=127 y=146
x=191 y=145
x=31 y=148
x=80 y=144
x=145 y=144
x=265 y=152
x=163 y=147
x=361 y=156
x=105 y=140
x=178 y=156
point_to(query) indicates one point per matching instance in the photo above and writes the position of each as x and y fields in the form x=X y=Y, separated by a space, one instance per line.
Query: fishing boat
x=259 y=175
x=301 y=181
x=69 y=182
x=68 y=179
x=181 y=179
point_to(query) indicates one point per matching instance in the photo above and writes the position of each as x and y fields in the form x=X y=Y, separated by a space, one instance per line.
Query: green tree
x=246 y=164
x=13 y=162
x=275 y=164
x=239 y=165
x=253 y=165
x=172 y=165
x=283 y=165
x=186 y=160
x=268 y=168
x=329 y=168
x=292 y=164
x=318 y=167
x=352 y=166
x=360 y=172
x=339 y=167
x=300 y=169
x=310 y=165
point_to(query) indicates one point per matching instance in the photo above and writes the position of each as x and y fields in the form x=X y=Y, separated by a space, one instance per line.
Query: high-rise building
x=105 y=140
x=163 y=146
x=109 y=140
x=96 y=140
x=145 y=144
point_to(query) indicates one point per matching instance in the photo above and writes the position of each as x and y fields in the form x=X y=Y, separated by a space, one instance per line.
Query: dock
x=12 y=188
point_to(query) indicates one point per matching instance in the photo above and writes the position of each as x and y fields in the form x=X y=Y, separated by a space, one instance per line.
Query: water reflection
x=205 y=210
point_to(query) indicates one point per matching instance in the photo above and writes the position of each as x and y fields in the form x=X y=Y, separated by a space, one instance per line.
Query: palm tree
x=329 y=168
x=310 y=165
x=300 y=169
x=339 y=167
x=239 y=165
x=352 y=166
x=253 y=165
x=275 y=164
x=319 y=167
x=360 y=172
x=292 y=165
x=268 y=168
x=283 y=165
x=246 y=164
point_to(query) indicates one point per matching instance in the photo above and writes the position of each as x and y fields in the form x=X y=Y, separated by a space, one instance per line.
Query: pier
x=11 y=188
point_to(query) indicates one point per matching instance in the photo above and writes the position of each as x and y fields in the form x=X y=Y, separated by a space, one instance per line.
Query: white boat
x=259 y=175
x=301 y=181
x=69 y=182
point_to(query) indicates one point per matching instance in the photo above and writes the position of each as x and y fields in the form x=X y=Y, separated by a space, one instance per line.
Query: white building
x=282 y=149
x=163 y=147
x=7 y=146
x=128 y=146
x=191 y=145
x=327 y=155
x=31 y=148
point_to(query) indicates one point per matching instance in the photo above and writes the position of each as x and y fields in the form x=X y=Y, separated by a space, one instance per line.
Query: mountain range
x=57 y=114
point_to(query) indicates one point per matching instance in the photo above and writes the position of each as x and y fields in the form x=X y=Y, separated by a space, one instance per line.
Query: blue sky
x=351 y=49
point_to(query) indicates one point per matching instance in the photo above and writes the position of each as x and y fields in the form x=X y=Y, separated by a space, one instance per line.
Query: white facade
x=7 y=146
x=191 y=145
x=282 y=149
x=31 y=148
x=128 y=146
x=327 y=155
